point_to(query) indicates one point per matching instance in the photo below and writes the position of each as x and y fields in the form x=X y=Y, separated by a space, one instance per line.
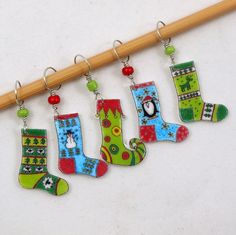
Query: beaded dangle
x=191 y=105
x=33 y=169
x=152 y=127
x=72 y=159
x=110 y=115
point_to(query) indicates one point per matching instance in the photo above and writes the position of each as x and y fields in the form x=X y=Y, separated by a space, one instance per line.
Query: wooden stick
x=125 y=49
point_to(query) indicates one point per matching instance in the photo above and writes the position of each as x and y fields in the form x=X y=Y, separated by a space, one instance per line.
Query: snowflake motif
x=144 y=122
x=153 y=93
x=146 y=92
x=140 y=98
x=47 y=182
x=165 y=126
x=170 y=134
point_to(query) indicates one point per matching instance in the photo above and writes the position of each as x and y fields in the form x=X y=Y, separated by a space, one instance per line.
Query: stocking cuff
x=182 y=69
x=106 y=105
x=142 y=85
x=66 y=116
x=34 y=132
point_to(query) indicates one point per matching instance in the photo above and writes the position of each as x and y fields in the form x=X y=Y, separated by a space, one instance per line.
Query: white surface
x=180 y=189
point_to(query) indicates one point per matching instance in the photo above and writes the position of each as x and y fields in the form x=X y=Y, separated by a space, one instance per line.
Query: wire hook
x=46 y=82
x=122 y=60
x=162 y=24
x=18 y=86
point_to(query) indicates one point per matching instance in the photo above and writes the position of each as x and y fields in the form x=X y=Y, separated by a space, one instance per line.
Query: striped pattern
x=189 y=95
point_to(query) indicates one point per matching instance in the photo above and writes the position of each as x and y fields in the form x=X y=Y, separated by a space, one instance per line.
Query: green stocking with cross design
x=191 y=105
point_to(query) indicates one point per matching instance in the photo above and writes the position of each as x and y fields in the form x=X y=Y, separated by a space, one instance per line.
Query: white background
x=179 y=189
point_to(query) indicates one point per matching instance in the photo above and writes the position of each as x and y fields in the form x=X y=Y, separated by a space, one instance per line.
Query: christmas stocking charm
x=110 y=113
x=152 y=127
x=113 y=149
x=72 y=159
x=33 y=170
x=191 y=105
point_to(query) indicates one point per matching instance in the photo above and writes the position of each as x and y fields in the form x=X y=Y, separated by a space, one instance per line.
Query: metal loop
x=159 y=33
x=86 y=61
x=98 y=95
x=122 y=60
x=45 y=80
x=17 y=86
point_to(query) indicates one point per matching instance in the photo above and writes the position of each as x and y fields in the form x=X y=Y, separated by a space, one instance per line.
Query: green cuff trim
x=182 y=66
x=34 y=132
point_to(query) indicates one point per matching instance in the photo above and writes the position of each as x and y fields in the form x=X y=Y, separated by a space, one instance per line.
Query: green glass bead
x=170 y=50
x=92 y=85
x=23 y=113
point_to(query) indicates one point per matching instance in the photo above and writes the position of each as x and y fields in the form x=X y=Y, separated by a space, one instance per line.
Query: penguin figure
x=149 y=107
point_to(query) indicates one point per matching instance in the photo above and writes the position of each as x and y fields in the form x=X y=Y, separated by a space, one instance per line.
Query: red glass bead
x=54 y=99
x=128 y=70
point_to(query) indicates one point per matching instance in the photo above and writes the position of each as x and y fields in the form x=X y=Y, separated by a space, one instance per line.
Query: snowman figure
x=70 y=142
x=149 y=107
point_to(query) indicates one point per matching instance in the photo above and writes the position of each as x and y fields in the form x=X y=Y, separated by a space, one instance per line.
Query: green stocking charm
x=110 y=115
x=191 y=105
x=33 y=170
x=113 y=149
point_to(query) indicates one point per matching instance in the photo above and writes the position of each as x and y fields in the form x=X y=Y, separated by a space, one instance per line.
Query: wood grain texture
x=132 y=46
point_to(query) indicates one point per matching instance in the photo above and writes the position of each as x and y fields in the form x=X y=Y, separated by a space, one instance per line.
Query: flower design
x=116 y=131
x=48 y=182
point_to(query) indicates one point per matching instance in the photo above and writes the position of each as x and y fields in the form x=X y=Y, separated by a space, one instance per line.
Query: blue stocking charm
x=152 y=127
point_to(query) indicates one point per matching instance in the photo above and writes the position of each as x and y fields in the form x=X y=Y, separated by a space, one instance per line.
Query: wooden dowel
x=104 y=58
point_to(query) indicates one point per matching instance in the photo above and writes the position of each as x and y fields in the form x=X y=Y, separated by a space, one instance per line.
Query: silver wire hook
x=86 y=61
x=17 y=86
x=122 y=60
x=45 y=80
x=159 y=33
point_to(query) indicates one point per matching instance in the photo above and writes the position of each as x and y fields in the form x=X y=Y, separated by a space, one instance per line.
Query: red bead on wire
x=128 y=70
x=54 y=99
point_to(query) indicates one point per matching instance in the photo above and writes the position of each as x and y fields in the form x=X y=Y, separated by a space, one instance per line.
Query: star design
x=170 y=134
x=146 y=92
x=144 y=122
x=153 y=93
x=165 y=126
x=139 y=97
